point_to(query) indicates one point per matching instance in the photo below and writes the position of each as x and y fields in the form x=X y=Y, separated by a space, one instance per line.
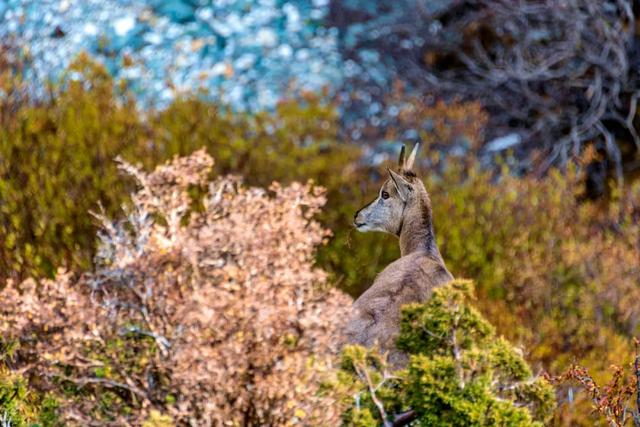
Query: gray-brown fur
x=402 y=208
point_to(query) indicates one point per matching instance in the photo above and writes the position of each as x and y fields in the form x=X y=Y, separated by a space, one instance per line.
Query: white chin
x=363 y=228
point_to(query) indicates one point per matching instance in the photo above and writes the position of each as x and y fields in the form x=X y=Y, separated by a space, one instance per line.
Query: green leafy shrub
x=55 y=164
x=558 y=273
x=459 y=372
x=20 y=406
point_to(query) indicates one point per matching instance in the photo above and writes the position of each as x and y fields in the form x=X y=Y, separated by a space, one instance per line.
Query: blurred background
x=527 y=112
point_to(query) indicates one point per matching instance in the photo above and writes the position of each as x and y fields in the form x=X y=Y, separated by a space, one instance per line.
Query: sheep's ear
x=412 y=157
x=403 y=187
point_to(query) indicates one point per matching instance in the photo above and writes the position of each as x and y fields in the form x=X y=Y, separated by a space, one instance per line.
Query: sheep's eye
x=385 y=195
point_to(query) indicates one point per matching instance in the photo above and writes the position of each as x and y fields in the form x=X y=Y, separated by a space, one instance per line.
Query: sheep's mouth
x=359 y=224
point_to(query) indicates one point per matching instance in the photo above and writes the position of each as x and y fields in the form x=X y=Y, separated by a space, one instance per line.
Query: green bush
x=56 y=163
x=19 y=406
x=557 y=273
x=459 y=372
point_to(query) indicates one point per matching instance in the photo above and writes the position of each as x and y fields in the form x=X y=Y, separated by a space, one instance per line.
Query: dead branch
x=134 y=390
x=373 y=389
x=560 y=74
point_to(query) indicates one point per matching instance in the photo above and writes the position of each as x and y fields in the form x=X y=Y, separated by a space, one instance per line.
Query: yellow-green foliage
x=55 y=164
x=156 y=419
x=558 y=274
x=56 y=161
x=19 y=406
x=459 y=372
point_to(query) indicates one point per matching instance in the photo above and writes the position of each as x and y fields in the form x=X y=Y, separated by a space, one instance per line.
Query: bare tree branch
x=404 y=418
x=134 y=390
x=373 y=389
x=550 y=71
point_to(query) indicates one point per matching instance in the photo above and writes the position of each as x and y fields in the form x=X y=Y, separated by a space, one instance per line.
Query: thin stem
x=362 y=371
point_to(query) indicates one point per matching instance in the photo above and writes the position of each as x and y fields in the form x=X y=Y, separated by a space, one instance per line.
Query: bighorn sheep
x=402 y=208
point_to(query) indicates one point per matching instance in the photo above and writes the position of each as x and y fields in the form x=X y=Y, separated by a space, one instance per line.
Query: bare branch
x=404 y=418
x=364 y=374
x=135 y=391
x=549 y=71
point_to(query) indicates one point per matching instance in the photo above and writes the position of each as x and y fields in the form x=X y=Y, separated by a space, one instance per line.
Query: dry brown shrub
x=210 y=311
x=618 y=400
